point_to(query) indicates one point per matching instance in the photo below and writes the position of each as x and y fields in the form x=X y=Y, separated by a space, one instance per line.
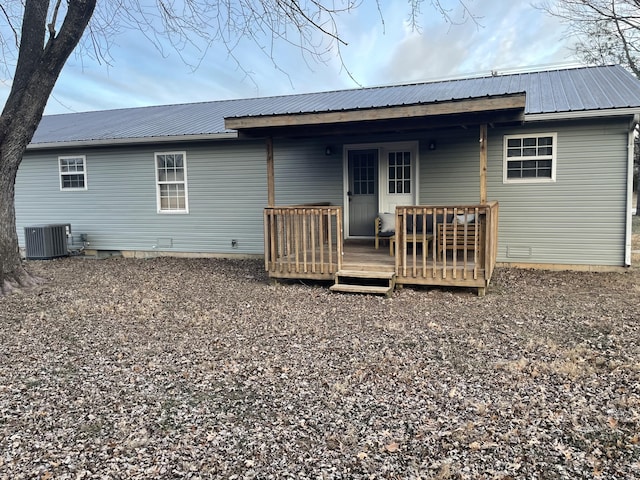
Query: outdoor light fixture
x=432 y=144
x=328 y=150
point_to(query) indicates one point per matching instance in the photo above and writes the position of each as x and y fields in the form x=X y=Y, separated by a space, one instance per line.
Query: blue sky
x=509 y=35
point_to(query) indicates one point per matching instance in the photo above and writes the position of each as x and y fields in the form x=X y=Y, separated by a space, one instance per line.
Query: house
x=526 y=169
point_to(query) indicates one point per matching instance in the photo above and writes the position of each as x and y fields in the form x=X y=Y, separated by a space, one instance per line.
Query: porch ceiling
x=503 y=109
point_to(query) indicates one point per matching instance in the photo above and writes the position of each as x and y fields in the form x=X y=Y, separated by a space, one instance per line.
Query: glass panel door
x=363 y=191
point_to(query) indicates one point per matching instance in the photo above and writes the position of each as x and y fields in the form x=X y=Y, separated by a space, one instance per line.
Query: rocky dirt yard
x=185 y=368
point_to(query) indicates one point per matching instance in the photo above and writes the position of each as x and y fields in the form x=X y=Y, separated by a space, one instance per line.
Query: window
x=530 y=158
x=363 y=165
x=399 y=172
x=73 y=173
x=171 y=180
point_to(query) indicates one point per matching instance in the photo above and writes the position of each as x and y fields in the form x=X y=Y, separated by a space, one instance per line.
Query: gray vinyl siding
x=449 y=175
x=581 y=217
x=304 y=174
x=577 y=220
x=118 y=211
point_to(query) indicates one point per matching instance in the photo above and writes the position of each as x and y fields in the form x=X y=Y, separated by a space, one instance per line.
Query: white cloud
x=509 y=36
x=512 y=35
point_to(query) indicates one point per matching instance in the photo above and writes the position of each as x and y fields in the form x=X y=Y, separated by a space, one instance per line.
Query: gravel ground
x=185 y=368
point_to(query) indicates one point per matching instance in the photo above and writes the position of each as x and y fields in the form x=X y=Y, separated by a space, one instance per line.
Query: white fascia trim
x=629 y=220
x=611 y=112
x=132 y=141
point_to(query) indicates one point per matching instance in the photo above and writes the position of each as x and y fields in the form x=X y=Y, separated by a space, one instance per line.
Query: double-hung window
x=73 y=172
x=530 y=158
x=171 y=182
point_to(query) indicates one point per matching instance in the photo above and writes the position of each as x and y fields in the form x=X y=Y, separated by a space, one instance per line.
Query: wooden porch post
x=483 y=163
x=271 y=182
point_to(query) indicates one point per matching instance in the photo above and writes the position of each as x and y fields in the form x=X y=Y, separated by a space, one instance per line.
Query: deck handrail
x=303 y=239
x=426 y=233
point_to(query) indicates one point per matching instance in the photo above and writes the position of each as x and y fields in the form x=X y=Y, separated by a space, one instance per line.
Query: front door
x=363 y=191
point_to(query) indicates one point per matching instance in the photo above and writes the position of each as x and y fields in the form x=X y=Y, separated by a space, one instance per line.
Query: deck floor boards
x=361 y=255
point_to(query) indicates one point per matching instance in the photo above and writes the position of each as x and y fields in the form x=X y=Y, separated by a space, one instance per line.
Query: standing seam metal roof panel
x=554 y=91
x=599 y=95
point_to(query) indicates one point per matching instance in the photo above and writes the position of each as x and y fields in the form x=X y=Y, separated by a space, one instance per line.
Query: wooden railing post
x=339 y=237
x=271 y=181
x=483 y=164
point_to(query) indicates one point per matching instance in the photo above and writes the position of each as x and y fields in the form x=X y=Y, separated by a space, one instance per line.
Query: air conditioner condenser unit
x=43 y=242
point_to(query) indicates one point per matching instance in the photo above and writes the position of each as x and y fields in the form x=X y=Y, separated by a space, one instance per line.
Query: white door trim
x=382 y=147
x=385 y=200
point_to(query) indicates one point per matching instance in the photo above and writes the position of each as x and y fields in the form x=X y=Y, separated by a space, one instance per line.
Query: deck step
x=364 y=281
x=366 y=274
x=349 y=288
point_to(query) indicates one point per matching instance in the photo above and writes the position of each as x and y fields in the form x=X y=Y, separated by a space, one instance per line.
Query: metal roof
x=547 y=92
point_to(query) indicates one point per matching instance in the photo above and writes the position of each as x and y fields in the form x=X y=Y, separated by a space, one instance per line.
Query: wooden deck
x=306 y=243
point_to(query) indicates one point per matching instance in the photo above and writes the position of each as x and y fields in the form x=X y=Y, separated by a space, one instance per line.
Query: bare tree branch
x=606 y=31
x=54 y=19
x=8 y=18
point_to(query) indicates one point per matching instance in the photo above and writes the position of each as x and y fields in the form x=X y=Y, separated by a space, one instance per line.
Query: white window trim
x=184 y=182
x=84 y=173
x=554 y=156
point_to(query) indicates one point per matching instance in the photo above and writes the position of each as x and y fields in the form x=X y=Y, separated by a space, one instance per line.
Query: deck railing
x=450 y=245
x=303 y=241
x=434 y=245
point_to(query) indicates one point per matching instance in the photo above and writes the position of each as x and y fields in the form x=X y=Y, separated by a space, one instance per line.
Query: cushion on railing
x=468 y=218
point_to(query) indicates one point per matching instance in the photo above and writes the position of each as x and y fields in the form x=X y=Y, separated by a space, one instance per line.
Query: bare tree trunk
x=12 y=273
x=39 y=65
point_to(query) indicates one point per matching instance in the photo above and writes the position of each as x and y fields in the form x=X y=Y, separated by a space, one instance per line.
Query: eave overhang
x=580 y=114
x=503 y=109
x=115 y=142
